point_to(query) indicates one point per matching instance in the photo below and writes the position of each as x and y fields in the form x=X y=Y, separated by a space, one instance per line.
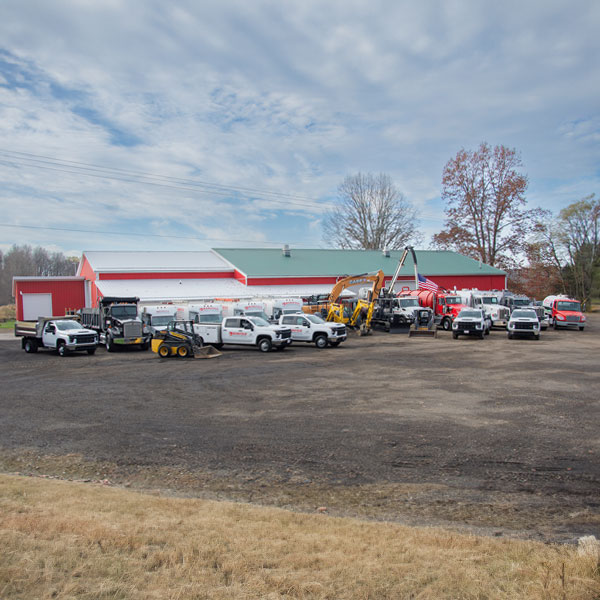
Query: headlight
x=478 y=326
x=455 y=325
x=72 y=338
x=278 y=334
x=582 y=318
x=560 y=317
x=511 y=325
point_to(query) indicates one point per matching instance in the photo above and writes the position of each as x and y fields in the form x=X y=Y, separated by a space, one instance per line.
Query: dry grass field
x=74 y=540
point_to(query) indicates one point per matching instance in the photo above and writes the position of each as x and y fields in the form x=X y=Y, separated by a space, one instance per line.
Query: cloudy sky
x=145 y=125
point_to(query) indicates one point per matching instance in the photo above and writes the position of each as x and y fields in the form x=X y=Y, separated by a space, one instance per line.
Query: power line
x=129 y=233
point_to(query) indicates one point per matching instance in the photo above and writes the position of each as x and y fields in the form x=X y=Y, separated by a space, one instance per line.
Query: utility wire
x=129 y=233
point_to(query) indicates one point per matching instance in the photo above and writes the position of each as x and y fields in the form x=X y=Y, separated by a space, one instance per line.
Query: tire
x=264 y=344
x=144 y=346
x=446 y=324
x=554 y=324
x=581 y=329
x=30 y=346
x=510 y=336
x=481 y=335
x=183 y=351
x=61 y=349
x=164 y=351
x=454 y=335
x=110 y=347
x=536 y=337
x=321 y=341
x=91 y=351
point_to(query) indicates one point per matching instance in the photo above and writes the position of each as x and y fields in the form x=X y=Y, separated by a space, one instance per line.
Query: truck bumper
x=280 y=343
x=500 y=323
x=128 y=341
x=339 y=338
x=75 y=347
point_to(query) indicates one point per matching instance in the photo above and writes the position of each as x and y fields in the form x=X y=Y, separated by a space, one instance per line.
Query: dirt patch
x=496 y=436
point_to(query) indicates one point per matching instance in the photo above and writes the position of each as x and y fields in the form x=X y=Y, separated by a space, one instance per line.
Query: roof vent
x=386 y=252
x=286 y=250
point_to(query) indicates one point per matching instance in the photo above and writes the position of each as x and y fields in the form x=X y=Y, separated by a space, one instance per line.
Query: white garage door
x=36 y=305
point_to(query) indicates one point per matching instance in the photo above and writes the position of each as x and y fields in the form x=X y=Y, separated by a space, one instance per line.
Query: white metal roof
x=156 y=261
x=157 y=290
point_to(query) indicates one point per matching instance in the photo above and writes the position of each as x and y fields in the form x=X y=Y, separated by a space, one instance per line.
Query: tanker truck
x=445 y=305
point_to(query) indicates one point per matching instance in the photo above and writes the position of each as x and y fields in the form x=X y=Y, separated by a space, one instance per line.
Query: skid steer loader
x=424 y=324
x=179 y=339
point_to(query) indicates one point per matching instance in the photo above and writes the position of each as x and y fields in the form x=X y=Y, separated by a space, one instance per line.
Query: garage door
x=36 y=305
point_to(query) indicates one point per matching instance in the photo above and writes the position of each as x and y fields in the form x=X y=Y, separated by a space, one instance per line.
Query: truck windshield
x=257 y=314
x=203 y=318
x=66 y=325
x=259 y=321
x=453 y=300
x=315 y=319
x=521 y=302
x=406 y=302
x=291 y=311
x=568 y=306
x=162 y=320
x=489 y=300
x=124 y=312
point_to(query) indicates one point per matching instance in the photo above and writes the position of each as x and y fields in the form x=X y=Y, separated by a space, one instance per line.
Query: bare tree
x=370 y=214
x=486 y=215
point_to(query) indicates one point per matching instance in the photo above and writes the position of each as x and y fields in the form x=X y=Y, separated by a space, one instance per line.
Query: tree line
x=24 y=261
x=486 y=218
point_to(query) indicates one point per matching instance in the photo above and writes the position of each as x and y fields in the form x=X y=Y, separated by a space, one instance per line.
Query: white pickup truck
x=313 y=329
x=62 y=334
x=246 y=331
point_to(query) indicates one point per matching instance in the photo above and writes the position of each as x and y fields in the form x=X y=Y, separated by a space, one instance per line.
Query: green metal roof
x=270 y=262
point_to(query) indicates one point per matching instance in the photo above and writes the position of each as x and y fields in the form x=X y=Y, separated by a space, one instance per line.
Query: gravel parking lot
x=492 y=436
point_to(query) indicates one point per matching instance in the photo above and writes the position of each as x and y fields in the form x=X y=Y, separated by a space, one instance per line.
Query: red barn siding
x=66 y=294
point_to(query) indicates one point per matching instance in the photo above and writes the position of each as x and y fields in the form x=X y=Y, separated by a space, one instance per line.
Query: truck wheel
x=581 y=329
x=510 y=336
x=144 y=346
x=446 y=324
x=454 y=335
x=481 y=335
x=61 y=349
x=536 y=337
x=164 y=351
x=264 y=344
x=554 y=324
x=91 y=351
x=30 y=346
x=321 y=341
x=183 y=351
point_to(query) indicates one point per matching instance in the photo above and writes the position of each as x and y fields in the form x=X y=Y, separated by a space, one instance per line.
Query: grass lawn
x=66 y=539
x=7 y=325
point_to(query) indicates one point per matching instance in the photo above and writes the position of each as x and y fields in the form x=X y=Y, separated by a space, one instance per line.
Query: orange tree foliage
x=486 y=217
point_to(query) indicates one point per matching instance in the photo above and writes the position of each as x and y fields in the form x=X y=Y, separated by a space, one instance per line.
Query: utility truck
x=471 y=321
x=490 y=303
x=205 y=313
x=563 y=311
x=523 y=322
x=157 y=317
x=314 y=329
x=244 y=330
x=63 y=334
x=117 y=322
x=251 y=308
x=276 y=307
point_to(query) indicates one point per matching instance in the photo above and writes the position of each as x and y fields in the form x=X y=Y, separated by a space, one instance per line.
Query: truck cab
x=156 y=318
x=563 y=311
x=313 y=329
x=277 y=307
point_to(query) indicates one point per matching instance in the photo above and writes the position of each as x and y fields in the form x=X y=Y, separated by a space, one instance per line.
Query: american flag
x=427 y=284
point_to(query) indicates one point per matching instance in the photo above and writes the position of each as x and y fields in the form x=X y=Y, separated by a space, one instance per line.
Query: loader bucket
x=206 y=352
x=421 y=331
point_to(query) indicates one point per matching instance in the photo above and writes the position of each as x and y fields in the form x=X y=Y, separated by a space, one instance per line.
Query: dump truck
x=117 y=322
x=63 y=334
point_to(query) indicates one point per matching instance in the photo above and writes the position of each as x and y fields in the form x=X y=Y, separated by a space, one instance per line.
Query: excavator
x=363 y=309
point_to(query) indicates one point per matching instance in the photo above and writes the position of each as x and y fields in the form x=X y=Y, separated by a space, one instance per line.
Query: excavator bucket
x=206 y=352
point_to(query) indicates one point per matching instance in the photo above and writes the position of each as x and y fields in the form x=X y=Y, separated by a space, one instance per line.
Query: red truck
x=562 y=311
x=445 y=305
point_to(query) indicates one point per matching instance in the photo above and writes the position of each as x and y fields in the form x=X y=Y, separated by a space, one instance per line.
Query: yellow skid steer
x=179 y=340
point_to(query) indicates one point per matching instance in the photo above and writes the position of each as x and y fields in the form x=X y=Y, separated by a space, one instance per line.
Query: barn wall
x=66 y=295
